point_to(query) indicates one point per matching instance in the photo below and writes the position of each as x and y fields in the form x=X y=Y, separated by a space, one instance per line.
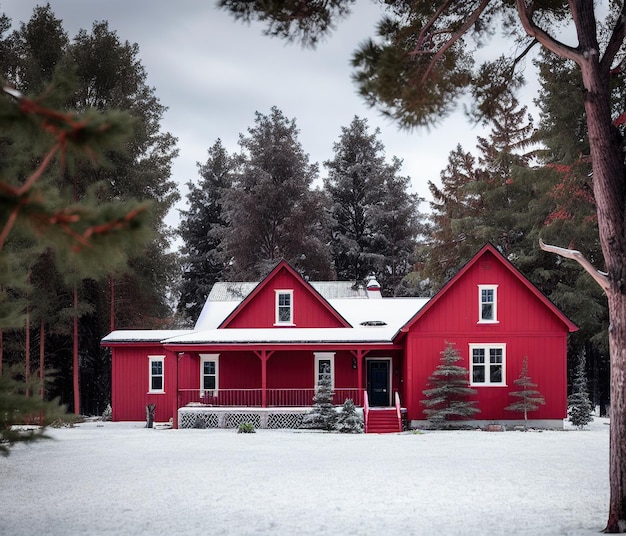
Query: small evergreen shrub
x=580 y=407
x=349 y=421
x=246 y=428
x=322 y=415
x=528 y=399
x=448 y=394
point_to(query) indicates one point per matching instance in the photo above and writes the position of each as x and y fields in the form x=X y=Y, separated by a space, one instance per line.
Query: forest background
x=248 y=208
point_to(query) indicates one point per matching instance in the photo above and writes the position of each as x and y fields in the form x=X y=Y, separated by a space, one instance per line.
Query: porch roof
x=376 y=334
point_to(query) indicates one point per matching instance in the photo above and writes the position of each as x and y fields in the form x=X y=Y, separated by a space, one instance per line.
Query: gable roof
x=267 y=281
x=507 y=264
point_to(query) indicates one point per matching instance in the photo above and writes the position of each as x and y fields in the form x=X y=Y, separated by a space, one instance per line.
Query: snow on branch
x=600 y=277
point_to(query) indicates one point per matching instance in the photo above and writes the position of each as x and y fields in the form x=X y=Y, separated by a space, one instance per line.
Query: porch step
x=383 y=421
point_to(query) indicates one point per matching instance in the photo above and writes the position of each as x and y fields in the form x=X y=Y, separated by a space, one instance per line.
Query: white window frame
x=151 y=376
x=494 y=304
x=487 y=347
x=278 y=321
x=207 y=358
x=319 y=358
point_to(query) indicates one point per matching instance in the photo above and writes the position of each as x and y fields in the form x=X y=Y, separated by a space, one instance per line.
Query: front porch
x=229 y=408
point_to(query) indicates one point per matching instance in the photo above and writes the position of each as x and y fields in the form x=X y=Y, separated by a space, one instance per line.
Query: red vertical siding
x=130 y=384
x=525 y=324
x=308 y=310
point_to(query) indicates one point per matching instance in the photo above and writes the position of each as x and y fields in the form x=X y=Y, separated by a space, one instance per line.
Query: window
x=156 y=374
x=488 y=362
x=488 y=303
x=284 y=307
x=324 y=364
x=209 y=367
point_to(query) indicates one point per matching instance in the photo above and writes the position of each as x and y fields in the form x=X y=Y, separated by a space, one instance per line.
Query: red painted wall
x=526 y=326
x=130 y=384
x=308 y=311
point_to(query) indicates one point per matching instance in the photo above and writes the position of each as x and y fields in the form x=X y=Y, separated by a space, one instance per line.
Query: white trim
x=486 y=347
x=494 y=319
x=277 y=320
x=324 y=356
x=156 y=359
x=208 y=358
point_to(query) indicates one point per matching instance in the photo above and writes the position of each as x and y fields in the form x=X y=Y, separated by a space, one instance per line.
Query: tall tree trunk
x=42 y=342
x=27 y=344
x=75 y=355
x=608 y=185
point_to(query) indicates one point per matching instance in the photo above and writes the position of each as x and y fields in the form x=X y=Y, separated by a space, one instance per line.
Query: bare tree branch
x=600 y=277
x=526 y=17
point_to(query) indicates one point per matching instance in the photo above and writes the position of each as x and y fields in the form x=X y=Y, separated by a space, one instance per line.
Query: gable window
x=488 y=364
x=284 y=307
x=324 y=364
x=156 y=374
x=487 y=303
x=209 y=373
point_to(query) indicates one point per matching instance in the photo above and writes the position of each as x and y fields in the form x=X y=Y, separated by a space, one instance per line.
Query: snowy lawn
x=121 y=478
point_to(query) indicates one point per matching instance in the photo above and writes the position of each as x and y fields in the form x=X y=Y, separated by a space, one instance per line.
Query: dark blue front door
x=378 y=382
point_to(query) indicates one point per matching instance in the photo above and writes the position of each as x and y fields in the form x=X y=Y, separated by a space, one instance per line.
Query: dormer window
x=487 y=304
x=284 y=307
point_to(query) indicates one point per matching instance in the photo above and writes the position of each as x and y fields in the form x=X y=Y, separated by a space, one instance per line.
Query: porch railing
x=251 y=398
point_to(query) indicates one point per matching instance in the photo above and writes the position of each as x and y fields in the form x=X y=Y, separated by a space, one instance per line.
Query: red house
x=258 y=349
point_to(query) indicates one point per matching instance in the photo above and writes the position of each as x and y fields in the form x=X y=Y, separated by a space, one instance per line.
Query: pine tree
x=580 y=407
x=348 y=421
x=374 y=219
x=272 y=210
x=447 y=398
x=322 y=415
x=93 y=72
x=528 y=399
x=200 y=228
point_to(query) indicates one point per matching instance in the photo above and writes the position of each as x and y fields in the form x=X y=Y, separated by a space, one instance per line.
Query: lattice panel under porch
x=198 y=420
x=233 y=420
x=284 y=420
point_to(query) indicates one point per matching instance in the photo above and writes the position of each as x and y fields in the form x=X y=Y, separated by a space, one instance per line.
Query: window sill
x=488 y=385
x=284 y=325
x=155 y=393
x=487 y=322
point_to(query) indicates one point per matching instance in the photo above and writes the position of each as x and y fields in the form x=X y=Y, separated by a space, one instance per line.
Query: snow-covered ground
x=121 y=478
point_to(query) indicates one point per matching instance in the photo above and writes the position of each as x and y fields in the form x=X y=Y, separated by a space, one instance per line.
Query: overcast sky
x=213 y=74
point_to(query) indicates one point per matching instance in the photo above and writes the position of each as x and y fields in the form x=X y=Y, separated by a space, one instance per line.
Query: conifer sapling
x=448 y=394
x=528 y=399
x=580 y=407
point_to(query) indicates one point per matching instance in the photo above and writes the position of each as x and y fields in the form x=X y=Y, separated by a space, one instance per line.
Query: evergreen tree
x=580 y=407
x=348 y=421
x=200 y=228
x=374 y=220
x=106 y=75
x=271 y=209
x=528 y=399
x=448 y=392
x=322 y=415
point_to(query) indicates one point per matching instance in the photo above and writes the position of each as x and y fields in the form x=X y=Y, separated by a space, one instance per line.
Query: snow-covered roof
x=237 y=291
x=372 y=321
x=144 y=335
x=382 y=334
